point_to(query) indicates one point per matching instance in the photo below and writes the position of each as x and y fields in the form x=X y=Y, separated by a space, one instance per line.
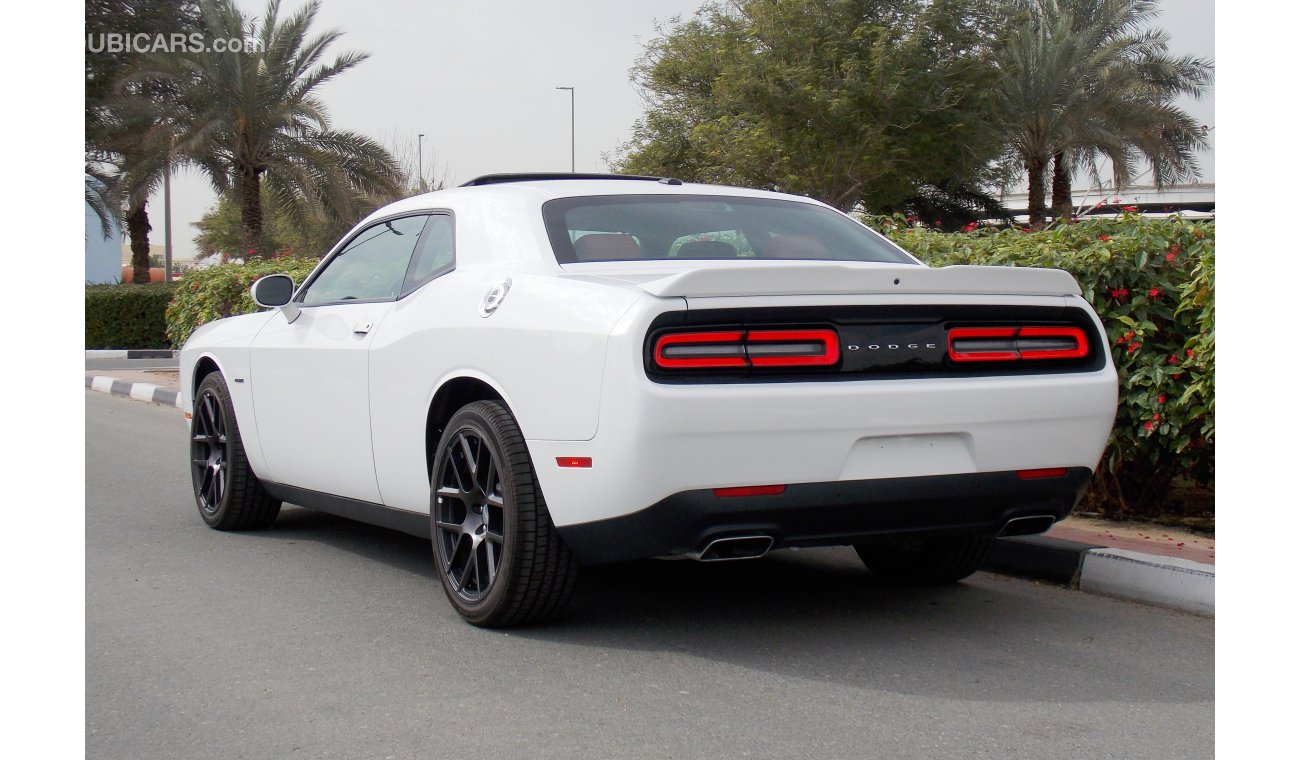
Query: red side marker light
x=1045 y=472
x=573 y=461
x=750 y=491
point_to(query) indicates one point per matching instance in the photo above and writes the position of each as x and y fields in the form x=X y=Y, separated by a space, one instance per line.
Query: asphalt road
x=323 y=638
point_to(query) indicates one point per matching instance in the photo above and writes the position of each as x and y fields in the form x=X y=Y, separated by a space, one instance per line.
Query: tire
x=500 y=559
x=926 y=561
x=228 y=494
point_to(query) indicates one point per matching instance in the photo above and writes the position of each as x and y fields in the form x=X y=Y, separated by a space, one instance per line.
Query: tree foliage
x=251 y=119
x=1082 y=80
x=1152 y=283
x=882 y=103
x=220 y=230
x=127 y=152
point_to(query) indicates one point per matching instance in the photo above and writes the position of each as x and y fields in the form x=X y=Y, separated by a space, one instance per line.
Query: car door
x=309 y=365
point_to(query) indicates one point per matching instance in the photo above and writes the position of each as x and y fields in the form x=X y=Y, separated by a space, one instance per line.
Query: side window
x=436 y=254
x=371 y=267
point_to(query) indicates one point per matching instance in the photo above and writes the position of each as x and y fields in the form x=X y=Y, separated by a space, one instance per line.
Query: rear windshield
x=659 y=227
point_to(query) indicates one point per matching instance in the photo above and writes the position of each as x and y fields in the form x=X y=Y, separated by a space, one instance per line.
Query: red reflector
x=573 y=461
x=1046 y=472
x=750 y=491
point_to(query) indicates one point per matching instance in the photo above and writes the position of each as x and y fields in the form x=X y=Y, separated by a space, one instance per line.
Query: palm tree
x=1082 y=81
x=251 y=117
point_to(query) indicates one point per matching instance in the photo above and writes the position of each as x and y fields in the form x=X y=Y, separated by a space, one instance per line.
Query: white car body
x=335 y=406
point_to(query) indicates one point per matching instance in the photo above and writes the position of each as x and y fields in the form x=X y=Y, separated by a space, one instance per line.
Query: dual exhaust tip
x=753 y=547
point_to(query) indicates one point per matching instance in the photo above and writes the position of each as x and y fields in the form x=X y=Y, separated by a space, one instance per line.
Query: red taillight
x=793 y=348
x=1044 y=472
x=701 y=350
x=753 y=348
x=750 y=491
x=573 y=461
x=1001 y=344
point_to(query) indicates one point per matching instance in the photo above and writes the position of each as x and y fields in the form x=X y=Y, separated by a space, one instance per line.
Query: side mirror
x=273 y=290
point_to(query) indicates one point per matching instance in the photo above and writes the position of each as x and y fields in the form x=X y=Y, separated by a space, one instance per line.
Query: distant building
x=103 y=256
x=1193 y=200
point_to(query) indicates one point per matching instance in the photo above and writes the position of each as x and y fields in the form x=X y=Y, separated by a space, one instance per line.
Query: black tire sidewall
x=217 y=384
x=473 y=419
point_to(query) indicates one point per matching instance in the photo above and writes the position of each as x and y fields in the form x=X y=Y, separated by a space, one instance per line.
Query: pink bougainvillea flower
x=1154 y=292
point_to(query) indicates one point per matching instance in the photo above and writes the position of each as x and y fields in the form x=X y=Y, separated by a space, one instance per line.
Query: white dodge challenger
x=539 y=372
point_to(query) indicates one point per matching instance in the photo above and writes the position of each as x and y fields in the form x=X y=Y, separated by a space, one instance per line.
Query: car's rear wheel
x=925 y=561
x=228 y=493
x=501 y=561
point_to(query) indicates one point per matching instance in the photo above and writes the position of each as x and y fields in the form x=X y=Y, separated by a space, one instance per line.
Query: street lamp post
x=167 y=219
x=419 y=158
x=573 y=139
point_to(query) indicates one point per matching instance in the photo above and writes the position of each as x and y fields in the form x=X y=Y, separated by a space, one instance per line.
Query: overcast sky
x=479 y=78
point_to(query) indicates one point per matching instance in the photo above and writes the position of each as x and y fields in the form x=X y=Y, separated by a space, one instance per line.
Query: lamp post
x=573 y=140
x=167 y=219
x=419 y=158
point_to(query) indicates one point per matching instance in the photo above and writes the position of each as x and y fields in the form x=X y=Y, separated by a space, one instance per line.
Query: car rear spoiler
x=763 y=279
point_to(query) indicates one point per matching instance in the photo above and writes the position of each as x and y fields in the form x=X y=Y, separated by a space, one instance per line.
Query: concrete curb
x=130 y=354
x=1152 y=579
x=138 y=391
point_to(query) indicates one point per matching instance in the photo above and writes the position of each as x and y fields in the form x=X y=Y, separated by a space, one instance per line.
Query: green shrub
x=1152 y=283
x=127 y=316
x=203 y=295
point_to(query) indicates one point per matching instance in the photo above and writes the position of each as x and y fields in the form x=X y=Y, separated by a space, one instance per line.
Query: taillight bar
x=1001 y=344
x=747 y=348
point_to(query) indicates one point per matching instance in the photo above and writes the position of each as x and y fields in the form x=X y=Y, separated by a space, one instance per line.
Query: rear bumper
x=829 y=514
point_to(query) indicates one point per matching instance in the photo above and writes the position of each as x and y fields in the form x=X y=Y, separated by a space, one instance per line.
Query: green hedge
x=1152 y=283
x=127 y=316
x=221 y=291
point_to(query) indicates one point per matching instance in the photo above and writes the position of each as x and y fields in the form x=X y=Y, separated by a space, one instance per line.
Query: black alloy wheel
x=469 y=516
x=228 y=494
x=500 y=558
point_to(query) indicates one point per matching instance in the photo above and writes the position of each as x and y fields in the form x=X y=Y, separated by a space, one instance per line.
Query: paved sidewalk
x=1137 y=561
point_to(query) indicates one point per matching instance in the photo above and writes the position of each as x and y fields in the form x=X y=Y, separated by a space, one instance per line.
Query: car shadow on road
x=818 y=614
x=394 y=548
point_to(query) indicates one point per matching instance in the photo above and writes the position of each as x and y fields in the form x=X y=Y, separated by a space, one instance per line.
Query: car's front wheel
x=228 y=493
x=925 y=561
x=501 y=561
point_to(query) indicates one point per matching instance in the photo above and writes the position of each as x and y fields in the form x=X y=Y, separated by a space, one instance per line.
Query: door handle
x=361 y=328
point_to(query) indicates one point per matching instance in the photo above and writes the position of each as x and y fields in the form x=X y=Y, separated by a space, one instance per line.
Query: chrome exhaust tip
x=735 y=547
x=1027 y=526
